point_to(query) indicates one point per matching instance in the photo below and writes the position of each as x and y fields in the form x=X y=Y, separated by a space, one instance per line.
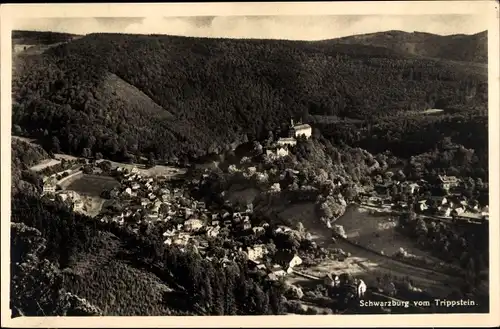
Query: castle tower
x=291 y=132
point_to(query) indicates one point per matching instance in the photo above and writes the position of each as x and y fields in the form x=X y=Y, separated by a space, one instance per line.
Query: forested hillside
x=23 y=156
x=40 y=38
x=468 y=48
x=217 y=91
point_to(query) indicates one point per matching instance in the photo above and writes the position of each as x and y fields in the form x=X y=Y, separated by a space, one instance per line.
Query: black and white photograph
x=254 y=163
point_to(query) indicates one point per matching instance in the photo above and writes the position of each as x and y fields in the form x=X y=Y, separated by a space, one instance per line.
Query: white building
x=213 y=231
x=78 y=205
x=128 y=191
x=256 y=252
x=50 y=186
x=287 y=260
x=193 y=225
x=300 y=130
x=277 y=152
x=448 y=182
x=287 y=141
x=361 y=288
x=258 y=229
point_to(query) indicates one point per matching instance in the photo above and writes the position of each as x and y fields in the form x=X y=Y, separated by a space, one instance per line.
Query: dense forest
x=468 y=48
x=23 y=156
x=453 y=144
x=40 y=38
x=179 y=97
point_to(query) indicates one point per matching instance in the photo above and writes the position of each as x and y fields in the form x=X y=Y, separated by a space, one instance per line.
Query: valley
x=166 y=175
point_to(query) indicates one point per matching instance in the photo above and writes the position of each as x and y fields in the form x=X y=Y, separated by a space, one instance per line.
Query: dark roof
x=329 y=276
x=301 y=126
x=283 y=257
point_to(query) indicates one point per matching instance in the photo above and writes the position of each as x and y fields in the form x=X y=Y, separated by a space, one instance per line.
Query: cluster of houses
x=411 y=188
x=50 y=185
x=70 y=197
x=448 y=184
x=189 y=221
x=280 y=148
x=452 y=205
x=51 y=189
x=148 y=200
x=73 y=197
x=259 y=259
x=274 y=267
x=335 y=282
x=209 y=226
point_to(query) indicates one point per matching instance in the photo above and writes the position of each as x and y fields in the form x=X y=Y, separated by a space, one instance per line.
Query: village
x=141 y=203
x=450 y=203
x=153 y=203
x=186 y=223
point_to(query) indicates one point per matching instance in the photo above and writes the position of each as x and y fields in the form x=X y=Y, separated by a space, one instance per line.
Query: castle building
x=300 y=130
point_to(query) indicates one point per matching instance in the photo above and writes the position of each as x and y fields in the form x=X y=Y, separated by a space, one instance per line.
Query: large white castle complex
x=280 y=148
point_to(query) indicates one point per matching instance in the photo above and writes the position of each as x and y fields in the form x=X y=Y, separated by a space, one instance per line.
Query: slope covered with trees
x=23 y=156
x=219 y=91
x=467 y=48
x=40 y=37
x=456 y=144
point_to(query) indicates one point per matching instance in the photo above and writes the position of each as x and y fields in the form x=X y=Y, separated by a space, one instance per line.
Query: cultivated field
x=92 y=185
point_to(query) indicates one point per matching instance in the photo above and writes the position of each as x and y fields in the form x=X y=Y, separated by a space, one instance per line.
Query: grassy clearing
x=362 y=263
x=376 y=232
x=92 y=185
x=242 y=196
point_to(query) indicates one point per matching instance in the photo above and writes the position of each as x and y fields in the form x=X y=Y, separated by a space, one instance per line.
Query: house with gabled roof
x=256 y=252
x=193 y=224
x=287 y=259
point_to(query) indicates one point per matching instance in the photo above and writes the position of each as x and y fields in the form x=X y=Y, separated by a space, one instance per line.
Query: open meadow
x=377 y=231
x=92 y=185
x=363 y=263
